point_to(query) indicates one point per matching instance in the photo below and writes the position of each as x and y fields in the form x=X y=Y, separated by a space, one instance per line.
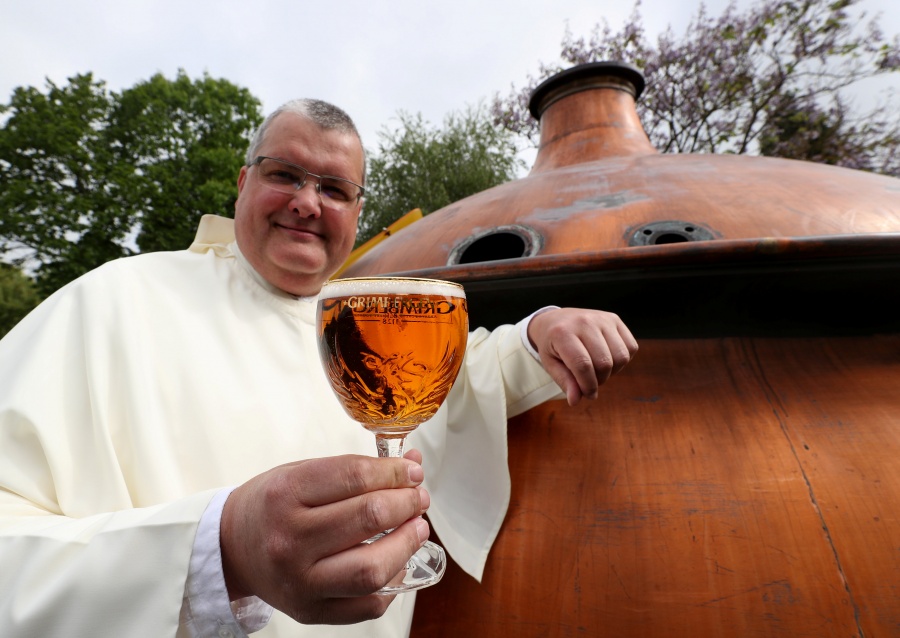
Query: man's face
x=291 y=240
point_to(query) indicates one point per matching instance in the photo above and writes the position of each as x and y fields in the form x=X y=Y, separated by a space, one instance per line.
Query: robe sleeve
x=78 y=555
x=465 y=445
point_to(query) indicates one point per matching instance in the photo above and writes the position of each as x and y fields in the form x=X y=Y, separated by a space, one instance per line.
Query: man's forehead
x=287 y=123
x=288 y=127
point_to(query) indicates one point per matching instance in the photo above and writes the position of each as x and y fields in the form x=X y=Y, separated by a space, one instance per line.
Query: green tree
x=186 y=140
x=88 y=175
x=418 y=165
x=747 y=82
x=60 y=204
x=18 y=296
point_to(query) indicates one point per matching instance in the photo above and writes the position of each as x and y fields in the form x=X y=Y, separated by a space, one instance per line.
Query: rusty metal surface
x=589 y=209
x=721 y=487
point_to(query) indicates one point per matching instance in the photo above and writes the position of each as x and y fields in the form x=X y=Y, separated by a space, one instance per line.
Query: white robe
x=134 y=393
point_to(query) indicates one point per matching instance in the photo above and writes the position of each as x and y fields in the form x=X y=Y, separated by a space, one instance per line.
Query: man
x=133 y=397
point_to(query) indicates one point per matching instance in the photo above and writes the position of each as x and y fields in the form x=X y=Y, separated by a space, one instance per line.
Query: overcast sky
x=371 y=57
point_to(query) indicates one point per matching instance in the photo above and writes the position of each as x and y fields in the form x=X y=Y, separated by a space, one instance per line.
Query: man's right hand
x=292 y=536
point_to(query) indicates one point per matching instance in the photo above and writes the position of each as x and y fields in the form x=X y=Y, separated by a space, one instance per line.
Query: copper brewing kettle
x=741 y=477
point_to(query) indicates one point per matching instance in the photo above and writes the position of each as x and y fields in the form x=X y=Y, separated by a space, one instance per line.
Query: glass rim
x=391 y=284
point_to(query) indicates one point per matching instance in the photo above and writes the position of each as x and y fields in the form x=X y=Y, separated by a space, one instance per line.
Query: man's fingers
x=365 y=568
x=350 y=476
x=413 y=455
x=277 y=526
x=587 y=367
x=581 y=348
x=362 y=518
x=563 y=378
x=627 y=347
x=586 y=358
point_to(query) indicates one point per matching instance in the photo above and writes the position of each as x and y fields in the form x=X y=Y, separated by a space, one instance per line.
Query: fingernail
x=422 y=530
x=424 y=499
x=416 y=473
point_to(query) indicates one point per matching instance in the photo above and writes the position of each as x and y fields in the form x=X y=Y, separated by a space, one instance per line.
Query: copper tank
x=742 y=476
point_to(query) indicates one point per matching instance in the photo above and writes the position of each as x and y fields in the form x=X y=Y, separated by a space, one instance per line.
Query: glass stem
x=389 y=447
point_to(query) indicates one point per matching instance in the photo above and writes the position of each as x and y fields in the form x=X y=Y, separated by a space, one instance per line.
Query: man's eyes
x=336 y=191
x=285 y=176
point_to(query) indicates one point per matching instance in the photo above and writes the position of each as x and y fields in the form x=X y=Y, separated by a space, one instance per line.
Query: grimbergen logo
x=392 y=305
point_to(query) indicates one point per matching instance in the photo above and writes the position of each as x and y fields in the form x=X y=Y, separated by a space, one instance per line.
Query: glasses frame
x=327 y=202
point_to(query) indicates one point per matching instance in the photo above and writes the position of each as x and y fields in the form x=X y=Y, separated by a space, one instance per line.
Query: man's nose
x=306 y=201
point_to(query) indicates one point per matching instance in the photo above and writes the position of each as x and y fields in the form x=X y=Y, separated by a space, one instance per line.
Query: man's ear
x=242 y=178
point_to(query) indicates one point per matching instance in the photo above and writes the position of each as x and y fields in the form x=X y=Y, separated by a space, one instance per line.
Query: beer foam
x=390 y=285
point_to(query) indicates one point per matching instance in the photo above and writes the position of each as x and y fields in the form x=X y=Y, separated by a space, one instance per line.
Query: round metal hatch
x=669 y=232
x=511 y=241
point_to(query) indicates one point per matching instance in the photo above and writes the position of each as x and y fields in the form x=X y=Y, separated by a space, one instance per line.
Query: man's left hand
x=581 y=348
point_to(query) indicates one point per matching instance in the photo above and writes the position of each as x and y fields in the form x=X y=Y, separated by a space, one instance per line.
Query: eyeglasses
x=334 y=192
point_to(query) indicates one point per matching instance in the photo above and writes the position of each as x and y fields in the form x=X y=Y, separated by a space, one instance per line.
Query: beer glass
x=391 y=348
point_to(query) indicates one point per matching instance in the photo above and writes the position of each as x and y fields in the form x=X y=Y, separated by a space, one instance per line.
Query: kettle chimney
x=588 y=113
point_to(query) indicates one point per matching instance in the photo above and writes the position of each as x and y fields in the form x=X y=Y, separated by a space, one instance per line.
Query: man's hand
x=580 y=348
x=292 y=536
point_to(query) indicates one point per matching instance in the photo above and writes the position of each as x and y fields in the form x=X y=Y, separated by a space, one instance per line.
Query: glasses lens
x=338 y=192
x=280 y=175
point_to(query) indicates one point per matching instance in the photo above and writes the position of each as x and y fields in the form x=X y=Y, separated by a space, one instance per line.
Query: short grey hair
x=323 y=114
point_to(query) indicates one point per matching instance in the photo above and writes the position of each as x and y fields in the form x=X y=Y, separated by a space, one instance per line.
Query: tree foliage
x=774 y=79
x=187 y=140
x=88 y=175
x=418 y=165
x=18 y=296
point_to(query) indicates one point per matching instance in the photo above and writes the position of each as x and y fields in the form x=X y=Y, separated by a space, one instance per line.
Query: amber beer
x=392 y=347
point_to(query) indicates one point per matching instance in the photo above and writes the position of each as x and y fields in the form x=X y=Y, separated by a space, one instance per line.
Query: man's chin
x=297 y=272
x=300 y=285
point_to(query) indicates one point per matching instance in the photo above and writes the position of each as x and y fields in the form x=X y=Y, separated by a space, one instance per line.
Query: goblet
x=391 y=348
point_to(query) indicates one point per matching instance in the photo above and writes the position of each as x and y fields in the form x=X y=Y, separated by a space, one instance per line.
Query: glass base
x=425 y=568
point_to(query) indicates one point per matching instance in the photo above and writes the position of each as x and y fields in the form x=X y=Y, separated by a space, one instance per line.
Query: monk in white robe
x=134 y=399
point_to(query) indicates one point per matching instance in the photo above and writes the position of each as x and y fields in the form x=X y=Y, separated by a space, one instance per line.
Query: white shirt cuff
x=206 y=610
x=523 y=330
